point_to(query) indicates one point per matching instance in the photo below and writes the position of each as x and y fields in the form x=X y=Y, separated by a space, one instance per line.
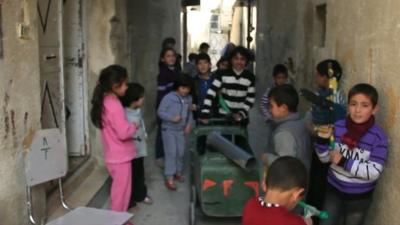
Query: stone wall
x=20 y=108
x=149 y=23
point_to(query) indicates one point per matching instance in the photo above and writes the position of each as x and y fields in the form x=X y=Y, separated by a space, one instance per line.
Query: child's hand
x=193 y=107
x=335 y=156
x=177 y=119
x=237 y=117
x=308 y=221
x=188 y=129
x=204 y=121
x=324 y=131
x=137 y=124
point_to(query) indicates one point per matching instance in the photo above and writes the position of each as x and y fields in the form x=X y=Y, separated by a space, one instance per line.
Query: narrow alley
x=98 y=98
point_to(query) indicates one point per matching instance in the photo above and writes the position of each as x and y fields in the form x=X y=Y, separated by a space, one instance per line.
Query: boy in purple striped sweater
x=357 y=161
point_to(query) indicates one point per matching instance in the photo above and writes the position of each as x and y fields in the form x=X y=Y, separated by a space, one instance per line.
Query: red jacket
x=256 y=214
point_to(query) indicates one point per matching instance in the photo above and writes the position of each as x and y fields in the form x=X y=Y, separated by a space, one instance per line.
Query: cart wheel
x=192 y=216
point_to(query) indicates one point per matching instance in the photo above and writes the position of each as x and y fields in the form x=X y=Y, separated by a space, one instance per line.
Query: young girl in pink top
x=108 y=115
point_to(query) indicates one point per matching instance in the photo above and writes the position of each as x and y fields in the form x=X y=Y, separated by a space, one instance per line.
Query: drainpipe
x=249 y=24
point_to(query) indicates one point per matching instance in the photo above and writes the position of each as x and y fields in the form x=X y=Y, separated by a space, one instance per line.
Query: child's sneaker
x=170 y=185
x=148 y=200
x=180 y=178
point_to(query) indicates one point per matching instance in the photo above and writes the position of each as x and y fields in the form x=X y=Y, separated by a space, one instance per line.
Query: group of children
x=350 y=152
x=352 y=163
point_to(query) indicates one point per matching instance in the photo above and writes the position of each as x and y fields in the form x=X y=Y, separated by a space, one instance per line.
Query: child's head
x=168 y=56
x=287 y=176
x=280 y=74
x=283 y=100
x=168 y=42
x=183 y=84
x=134 y=96
x=363 y=102
x=223 y=63
x=192 y=57
x=203 y=48
x=239 y=58
x=322 y=77
x=113 y=80
x=203 y=63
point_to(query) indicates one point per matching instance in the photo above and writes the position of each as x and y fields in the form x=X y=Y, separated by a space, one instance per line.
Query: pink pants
x=121 y=174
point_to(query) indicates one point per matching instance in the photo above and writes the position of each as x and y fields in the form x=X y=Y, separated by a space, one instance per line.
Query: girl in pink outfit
x=108 y=115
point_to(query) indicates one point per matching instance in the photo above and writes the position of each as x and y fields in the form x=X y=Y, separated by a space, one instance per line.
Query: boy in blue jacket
x=177 y=119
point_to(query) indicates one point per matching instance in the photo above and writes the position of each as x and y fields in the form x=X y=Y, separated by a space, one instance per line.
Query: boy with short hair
x=177 y=120
x=290 y=135
x=236 y=86
x=284 y=186
x=357 y=160
x=202 y=81
x=190 y=66
x=280 y=75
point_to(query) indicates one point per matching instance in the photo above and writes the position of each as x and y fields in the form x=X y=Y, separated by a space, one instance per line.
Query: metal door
x=76 y=124
x=51 y=70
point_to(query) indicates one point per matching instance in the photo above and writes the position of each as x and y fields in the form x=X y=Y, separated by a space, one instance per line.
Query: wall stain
x=14 y=129
x=393 y=106
x=26 y=115
x=6 y=118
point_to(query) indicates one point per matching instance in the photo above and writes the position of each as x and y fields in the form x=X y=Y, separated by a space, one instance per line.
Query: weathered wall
x=20 y=108
x=106 y=32
x=363 y=36
x=283 y=36
x=149 y=23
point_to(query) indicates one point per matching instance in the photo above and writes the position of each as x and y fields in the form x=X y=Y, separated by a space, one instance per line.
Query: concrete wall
x=149 y=23
x=363 y=36
x=106 y=34
x=20 y=108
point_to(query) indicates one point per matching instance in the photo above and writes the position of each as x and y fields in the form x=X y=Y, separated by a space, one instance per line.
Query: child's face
x=169 y=58
x=183 y=91
x=138 y=103
x=120 y=89
x=239 y=62
x=280 y=79
x=322 y=81
x=203 y=66
x=361 y=108
x=277 y=111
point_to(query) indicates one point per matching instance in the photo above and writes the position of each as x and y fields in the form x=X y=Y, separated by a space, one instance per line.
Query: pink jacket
x=117 y=132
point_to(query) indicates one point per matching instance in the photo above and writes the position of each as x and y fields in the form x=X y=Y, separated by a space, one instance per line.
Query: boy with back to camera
x=357 y=160
x=290 y=135
x=284 y=186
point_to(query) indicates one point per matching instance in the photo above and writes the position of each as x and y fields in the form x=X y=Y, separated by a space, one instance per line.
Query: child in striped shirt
x=236 y=86
x=357 y=161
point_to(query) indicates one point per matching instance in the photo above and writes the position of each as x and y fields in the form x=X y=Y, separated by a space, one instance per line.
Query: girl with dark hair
x=108 y=115
x=165 y=81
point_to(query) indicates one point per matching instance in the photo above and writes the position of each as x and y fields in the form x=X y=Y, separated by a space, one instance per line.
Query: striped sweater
x=238 y=92
x=363 y=165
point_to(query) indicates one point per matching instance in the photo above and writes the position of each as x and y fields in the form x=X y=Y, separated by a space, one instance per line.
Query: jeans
x=345 y=210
